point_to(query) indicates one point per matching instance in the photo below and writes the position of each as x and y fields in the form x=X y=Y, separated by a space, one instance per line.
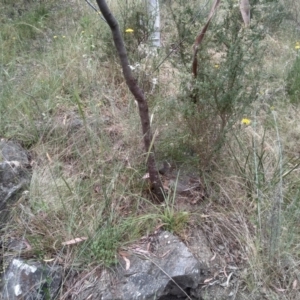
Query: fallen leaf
x=74 y=241
x=48 y=260
x=166 y=187
x=140 y=250
x=208 y=280
x=232 y=267
x=48 y=156
x=204 y=216
x=215 y=254
x=127 y=262
x=278 y=289
x=28 y=247
x=148 y=246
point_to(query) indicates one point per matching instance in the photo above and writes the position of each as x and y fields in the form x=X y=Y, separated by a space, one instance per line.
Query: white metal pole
x=153 y=6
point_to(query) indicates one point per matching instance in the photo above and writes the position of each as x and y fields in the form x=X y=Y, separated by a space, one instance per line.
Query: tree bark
x=140 y=98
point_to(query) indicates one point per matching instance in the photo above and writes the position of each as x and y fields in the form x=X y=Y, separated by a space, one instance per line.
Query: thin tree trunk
x=140 y=98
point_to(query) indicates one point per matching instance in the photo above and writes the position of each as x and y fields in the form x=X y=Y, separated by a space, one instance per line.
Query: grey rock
x=171 y=271
x=14 y=175
x=10 y=151
x=30 y=281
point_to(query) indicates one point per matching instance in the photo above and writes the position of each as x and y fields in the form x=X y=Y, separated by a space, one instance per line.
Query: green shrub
x=226 y=83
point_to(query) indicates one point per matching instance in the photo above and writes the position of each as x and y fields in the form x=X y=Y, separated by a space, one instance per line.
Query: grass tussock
x=63 y=98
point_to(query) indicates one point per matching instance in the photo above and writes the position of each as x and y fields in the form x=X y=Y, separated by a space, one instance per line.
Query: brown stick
x=245 y=11
x=139 y=97
x=200 y=37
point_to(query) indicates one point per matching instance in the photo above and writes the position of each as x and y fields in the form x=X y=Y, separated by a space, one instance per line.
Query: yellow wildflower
x=129 y=30
x=217 y=66
x=297 y=46
x=246 y=121
x=63 y=36
x=55 y=37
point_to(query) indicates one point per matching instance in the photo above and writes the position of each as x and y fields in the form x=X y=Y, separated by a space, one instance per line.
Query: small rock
x=30 y=281
x=14 y=176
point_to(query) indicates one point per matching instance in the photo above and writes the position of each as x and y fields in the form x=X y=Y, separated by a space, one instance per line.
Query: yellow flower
x=55 y=37
x=63 y=36
x=297 y=46
x=246 y=121
x=129 y=30
x=217 y=66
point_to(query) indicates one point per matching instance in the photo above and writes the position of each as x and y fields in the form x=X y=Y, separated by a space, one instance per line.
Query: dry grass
x=64 y=98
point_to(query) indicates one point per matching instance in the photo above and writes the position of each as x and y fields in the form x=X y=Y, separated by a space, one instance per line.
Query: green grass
x=64 y=99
